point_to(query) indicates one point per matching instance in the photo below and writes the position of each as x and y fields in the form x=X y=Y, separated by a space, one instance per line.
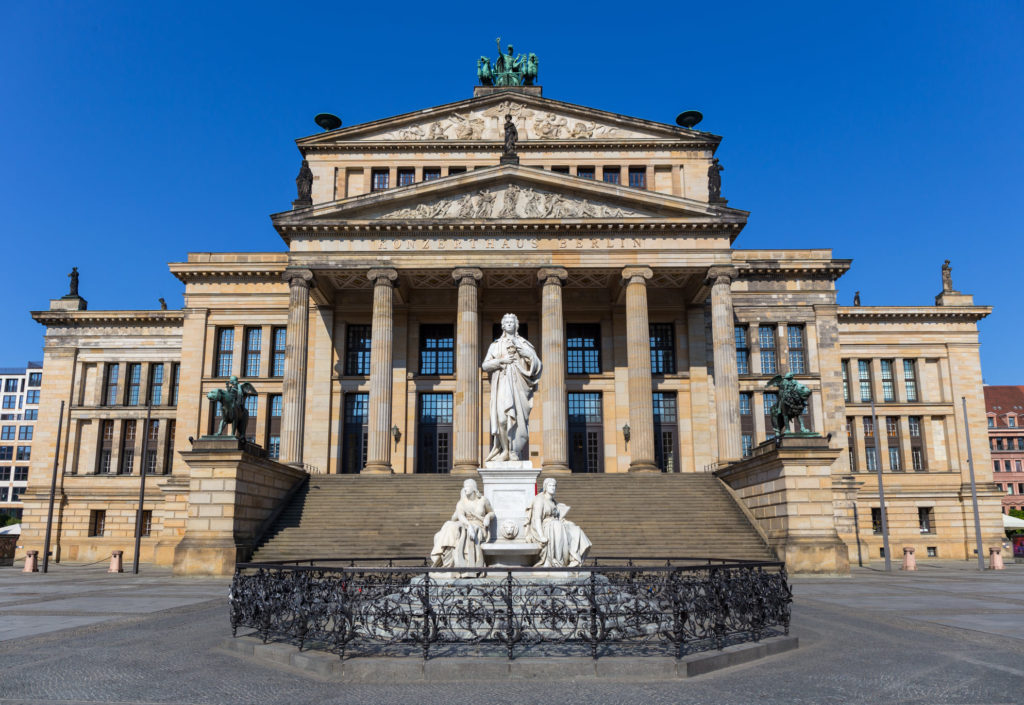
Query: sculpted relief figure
x=516 y=202
x=457 y=544
x=562 y=543
x=515 y=370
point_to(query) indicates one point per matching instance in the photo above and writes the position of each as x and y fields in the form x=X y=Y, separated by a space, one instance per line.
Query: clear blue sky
x=132 y=133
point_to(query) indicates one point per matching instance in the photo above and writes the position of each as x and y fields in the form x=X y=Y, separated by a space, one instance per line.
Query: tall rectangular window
x=110 y=395
x=127 y=463
x=406 y=177
x=357 y=350
x=280 y=336
x=251 y=404
x=845 y=366
x=663 y=352
x=106 y=447
x=892 y=432
x=225 y=351
x=134 y=383
x=274 y=426
x=434 y=449
x=586 y=432
x=766 y=339
x=851 y=444
x=637 y=177
x=147 y=522
x=742 y=350
x=379 y=179
x=152 y=438
x=665 y=426
x=156 y=384
x=437 y=349
x=916 y=444
x=169 y=450
x=611 y=174
x=7 y=434
x=10 y=385
x=864 y=379
x=797 y=353
x=870 y=457
x=746 y=423
x=353 y=449
x=888 y=388
x=876 y=520
x=926 y=519
x=770 y=400
x=175 y=379
x=910 y=379
x=97 y=522
x=35 y=379
x=583 y=348
x=253 y=343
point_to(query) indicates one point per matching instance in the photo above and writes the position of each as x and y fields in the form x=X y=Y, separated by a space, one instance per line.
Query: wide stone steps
x=624 y=515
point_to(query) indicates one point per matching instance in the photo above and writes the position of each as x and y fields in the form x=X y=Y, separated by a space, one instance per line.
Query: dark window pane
x=357 y=350
x=583 y=348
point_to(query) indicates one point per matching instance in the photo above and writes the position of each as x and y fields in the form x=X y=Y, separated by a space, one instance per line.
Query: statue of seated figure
x=562 y=543
x=457 y=544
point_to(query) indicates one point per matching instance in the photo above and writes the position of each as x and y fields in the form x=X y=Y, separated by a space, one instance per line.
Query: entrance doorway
x=434 y=436
x=586 y=432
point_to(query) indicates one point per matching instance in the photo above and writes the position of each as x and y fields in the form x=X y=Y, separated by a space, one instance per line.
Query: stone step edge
x=464 y=669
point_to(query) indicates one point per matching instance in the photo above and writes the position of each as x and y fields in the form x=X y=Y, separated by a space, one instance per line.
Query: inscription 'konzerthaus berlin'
x=606 y=234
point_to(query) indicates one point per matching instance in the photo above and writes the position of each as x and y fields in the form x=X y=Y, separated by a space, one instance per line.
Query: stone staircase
x=624 y=515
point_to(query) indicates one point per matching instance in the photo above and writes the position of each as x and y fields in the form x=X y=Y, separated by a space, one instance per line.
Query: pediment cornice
x=541 y=121
x=510 y=196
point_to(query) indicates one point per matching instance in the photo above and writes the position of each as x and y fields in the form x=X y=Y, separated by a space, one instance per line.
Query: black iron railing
x=676 y=607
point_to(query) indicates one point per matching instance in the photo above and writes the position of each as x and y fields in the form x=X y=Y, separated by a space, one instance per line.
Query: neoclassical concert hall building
x=363 y=336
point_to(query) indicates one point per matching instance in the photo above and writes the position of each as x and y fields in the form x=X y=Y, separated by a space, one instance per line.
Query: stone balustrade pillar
x=293 y=402
x=727 y=390
x=467 y=372
x=638 y=357
x=555 y=451
x=378 y=442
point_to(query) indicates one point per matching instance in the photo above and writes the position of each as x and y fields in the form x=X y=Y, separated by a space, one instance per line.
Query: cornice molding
x=48 y=318
x=896 y=313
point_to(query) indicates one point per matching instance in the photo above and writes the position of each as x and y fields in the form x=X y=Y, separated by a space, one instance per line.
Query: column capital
x=382 y=276
x=552 y=275
x=637 y=275
x=298 y=277
x=722 y=275
x=470 y=275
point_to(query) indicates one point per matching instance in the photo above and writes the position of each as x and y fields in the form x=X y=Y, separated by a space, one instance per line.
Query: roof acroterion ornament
x=507 y=69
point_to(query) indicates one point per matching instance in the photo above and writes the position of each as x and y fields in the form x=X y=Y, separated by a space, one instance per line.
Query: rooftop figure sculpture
x=508 y=69
x=73 y=287
x=947 y=276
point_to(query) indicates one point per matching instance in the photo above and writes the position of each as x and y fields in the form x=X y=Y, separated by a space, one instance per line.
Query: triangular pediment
x=509 y=193
x=482 y=119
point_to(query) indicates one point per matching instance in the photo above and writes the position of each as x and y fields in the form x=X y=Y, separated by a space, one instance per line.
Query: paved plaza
x=946 y=634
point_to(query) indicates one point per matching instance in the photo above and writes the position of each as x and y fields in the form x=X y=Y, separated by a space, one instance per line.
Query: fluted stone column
x=467 y=372
x=727 y=390
x=293 y=411
x=378 y=442
x=555 y=452
x=638 y=357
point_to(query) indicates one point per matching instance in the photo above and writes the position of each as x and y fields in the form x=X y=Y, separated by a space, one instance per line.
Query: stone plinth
x=510 y=487
x=510 y=553
x=787 y=486
x=232 y=494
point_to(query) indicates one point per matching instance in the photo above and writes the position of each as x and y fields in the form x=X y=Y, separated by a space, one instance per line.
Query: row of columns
x=555 y=455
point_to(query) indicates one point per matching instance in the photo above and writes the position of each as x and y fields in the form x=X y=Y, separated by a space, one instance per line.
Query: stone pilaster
x=727 y=395
x=467 y=372
x=378 y=444
x=295 y=356
x=638 y=357
x=555 y=452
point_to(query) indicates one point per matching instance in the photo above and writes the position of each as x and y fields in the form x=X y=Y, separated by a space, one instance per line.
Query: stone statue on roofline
x=947 y=277
x=507 y=69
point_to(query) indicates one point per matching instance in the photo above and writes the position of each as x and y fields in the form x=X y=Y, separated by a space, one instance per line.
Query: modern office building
x=1005 y=410
x=20 y=387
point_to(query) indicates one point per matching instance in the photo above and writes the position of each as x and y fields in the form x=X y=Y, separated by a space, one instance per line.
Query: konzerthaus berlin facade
x=364 y=336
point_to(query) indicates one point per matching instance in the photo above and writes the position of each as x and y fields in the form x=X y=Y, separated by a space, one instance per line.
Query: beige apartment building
x=607 y=236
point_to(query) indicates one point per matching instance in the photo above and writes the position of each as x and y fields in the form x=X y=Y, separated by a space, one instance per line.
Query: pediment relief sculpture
x=487 y=124
x=511 y=201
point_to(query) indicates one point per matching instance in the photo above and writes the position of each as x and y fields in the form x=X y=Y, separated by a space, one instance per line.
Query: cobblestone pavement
x=946 y=634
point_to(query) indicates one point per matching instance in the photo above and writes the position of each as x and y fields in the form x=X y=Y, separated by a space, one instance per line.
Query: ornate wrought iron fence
x=671 y=608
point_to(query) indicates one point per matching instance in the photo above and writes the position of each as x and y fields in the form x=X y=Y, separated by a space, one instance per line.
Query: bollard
x=995 y=558
x=115 y=562
x=909 y=562
x=31 y=562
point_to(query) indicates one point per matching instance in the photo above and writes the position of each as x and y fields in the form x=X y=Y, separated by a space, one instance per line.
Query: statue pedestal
x=510 y=487
x=510 y=553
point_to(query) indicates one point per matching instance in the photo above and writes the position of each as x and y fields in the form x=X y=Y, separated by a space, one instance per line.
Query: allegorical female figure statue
x=562 y=543
x=515 y=370
x=457 y=544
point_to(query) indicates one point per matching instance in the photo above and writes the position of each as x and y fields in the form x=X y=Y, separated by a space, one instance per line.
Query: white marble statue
x=457 y=544
x=515 y=369
x=562 y=543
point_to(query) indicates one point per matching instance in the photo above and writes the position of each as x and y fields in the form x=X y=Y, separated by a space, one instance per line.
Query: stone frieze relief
x=511 y=201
